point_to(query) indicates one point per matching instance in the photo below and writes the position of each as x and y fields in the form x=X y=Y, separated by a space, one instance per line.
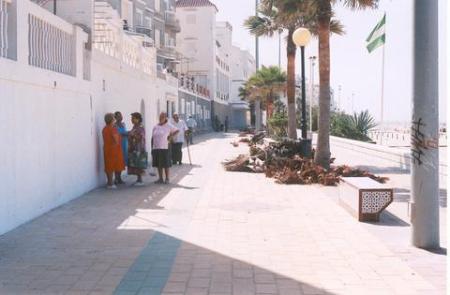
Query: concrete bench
x=364 y=198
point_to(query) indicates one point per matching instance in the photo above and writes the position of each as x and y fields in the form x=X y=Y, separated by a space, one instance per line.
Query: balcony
x=172 y=22
x=168 y=52
x=188 y=83
x=143 y=30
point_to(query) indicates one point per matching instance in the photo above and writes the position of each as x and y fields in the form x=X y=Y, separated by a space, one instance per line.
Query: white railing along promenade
x=399 y=138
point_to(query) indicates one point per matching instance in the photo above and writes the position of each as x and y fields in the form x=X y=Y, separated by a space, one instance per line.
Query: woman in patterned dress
x=136 y=143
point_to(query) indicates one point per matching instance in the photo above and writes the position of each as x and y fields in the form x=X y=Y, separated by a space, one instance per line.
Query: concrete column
x=81 y=38
x=425 y=127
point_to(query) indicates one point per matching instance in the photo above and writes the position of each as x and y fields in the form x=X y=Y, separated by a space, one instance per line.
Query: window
x=191 y=19
x=166 y=40
x=158 y=38
x=148 y=22
x=183 y=106
x=139 y=17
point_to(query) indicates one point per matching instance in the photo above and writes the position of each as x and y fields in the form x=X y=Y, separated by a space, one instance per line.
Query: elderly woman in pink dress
x=161 y=135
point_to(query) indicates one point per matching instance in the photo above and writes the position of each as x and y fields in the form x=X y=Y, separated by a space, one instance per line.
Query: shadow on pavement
x=389 y=219
x=439 y=251
x=85 y=247
x=169 y=265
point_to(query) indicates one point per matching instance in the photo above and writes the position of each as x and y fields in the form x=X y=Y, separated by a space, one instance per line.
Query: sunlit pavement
x=213 y=232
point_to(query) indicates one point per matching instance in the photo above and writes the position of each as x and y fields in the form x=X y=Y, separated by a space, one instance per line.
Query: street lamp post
x=301 y=38
x=339 y=98
x=312 y=60
x=257 y=104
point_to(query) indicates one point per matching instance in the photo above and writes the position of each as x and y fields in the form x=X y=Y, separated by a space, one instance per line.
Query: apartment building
x=243 y=65
x=156 y=19
x=206 y=48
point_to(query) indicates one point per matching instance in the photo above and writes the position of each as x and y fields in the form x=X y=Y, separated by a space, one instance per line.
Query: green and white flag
x=378 y=36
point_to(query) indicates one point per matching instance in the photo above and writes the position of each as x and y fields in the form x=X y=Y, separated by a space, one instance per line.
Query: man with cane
x=191 y=124
x=178 y=140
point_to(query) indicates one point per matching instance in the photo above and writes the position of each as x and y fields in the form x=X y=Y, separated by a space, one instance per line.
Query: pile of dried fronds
x=282 y=161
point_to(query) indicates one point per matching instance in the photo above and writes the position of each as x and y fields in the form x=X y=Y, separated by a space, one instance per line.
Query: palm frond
x=261 y=26
x=361 y=4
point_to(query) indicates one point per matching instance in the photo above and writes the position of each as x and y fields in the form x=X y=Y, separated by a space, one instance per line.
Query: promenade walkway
x=211 y=232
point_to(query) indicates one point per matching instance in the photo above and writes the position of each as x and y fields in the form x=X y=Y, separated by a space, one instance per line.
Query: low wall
x=395 y=158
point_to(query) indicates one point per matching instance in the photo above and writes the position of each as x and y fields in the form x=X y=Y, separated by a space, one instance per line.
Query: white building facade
x=243 y=65
x=208 y=55
x=59 y=75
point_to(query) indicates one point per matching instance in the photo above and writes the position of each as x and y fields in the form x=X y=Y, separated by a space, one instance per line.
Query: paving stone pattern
x=210 y=232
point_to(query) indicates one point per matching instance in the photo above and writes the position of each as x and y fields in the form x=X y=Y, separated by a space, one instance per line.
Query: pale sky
x=352 y=67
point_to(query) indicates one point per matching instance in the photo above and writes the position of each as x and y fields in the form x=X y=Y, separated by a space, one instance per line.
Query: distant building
x=208 y=53
x=156 y=19
x=243 y=65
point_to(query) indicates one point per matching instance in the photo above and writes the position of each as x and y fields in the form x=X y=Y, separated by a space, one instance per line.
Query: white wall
x=51 y=124
x=45 y=129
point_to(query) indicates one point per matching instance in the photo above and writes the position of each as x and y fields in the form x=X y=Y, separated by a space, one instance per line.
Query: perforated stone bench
x=364 y=198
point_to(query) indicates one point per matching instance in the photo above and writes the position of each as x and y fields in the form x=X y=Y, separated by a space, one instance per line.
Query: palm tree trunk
x=292 y=116
x=269 y=105
x=258 y=117
x=322 y=155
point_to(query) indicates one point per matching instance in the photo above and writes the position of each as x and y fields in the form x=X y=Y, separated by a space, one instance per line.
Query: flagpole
x=382 y=80
x=382 y=85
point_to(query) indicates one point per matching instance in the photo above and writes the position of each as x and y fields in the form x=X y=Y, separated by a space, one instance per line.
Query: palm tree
x=263 y=86
x=288 y=15
x=273 y=21
x=323 y=10
x=269 y=81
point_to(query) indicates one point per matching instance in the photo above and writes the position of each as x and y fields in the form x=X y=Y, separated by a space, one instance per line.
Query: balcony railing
x=4 y=37
x=143 y=30
x=50 y=47
x=172 y=21
x=188 y=83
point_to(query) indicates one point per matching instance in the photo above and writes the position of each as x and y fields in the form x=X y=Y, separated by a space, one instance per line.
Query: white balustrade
x=124 y=45
x=148 y=62
x=4 y=11
x=50 y=47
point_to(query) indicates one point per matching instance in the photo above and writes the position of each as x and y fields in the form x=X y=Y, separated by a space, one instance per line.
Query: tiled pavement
x=212 y=232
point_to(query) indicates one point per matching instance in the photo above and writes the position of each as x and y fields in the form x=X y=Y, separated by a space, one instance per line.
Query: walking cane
x=189 y=151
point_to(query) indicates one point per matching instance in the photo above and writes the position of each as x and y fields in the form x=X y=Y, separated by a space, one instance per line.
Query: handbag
x=138 y=160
